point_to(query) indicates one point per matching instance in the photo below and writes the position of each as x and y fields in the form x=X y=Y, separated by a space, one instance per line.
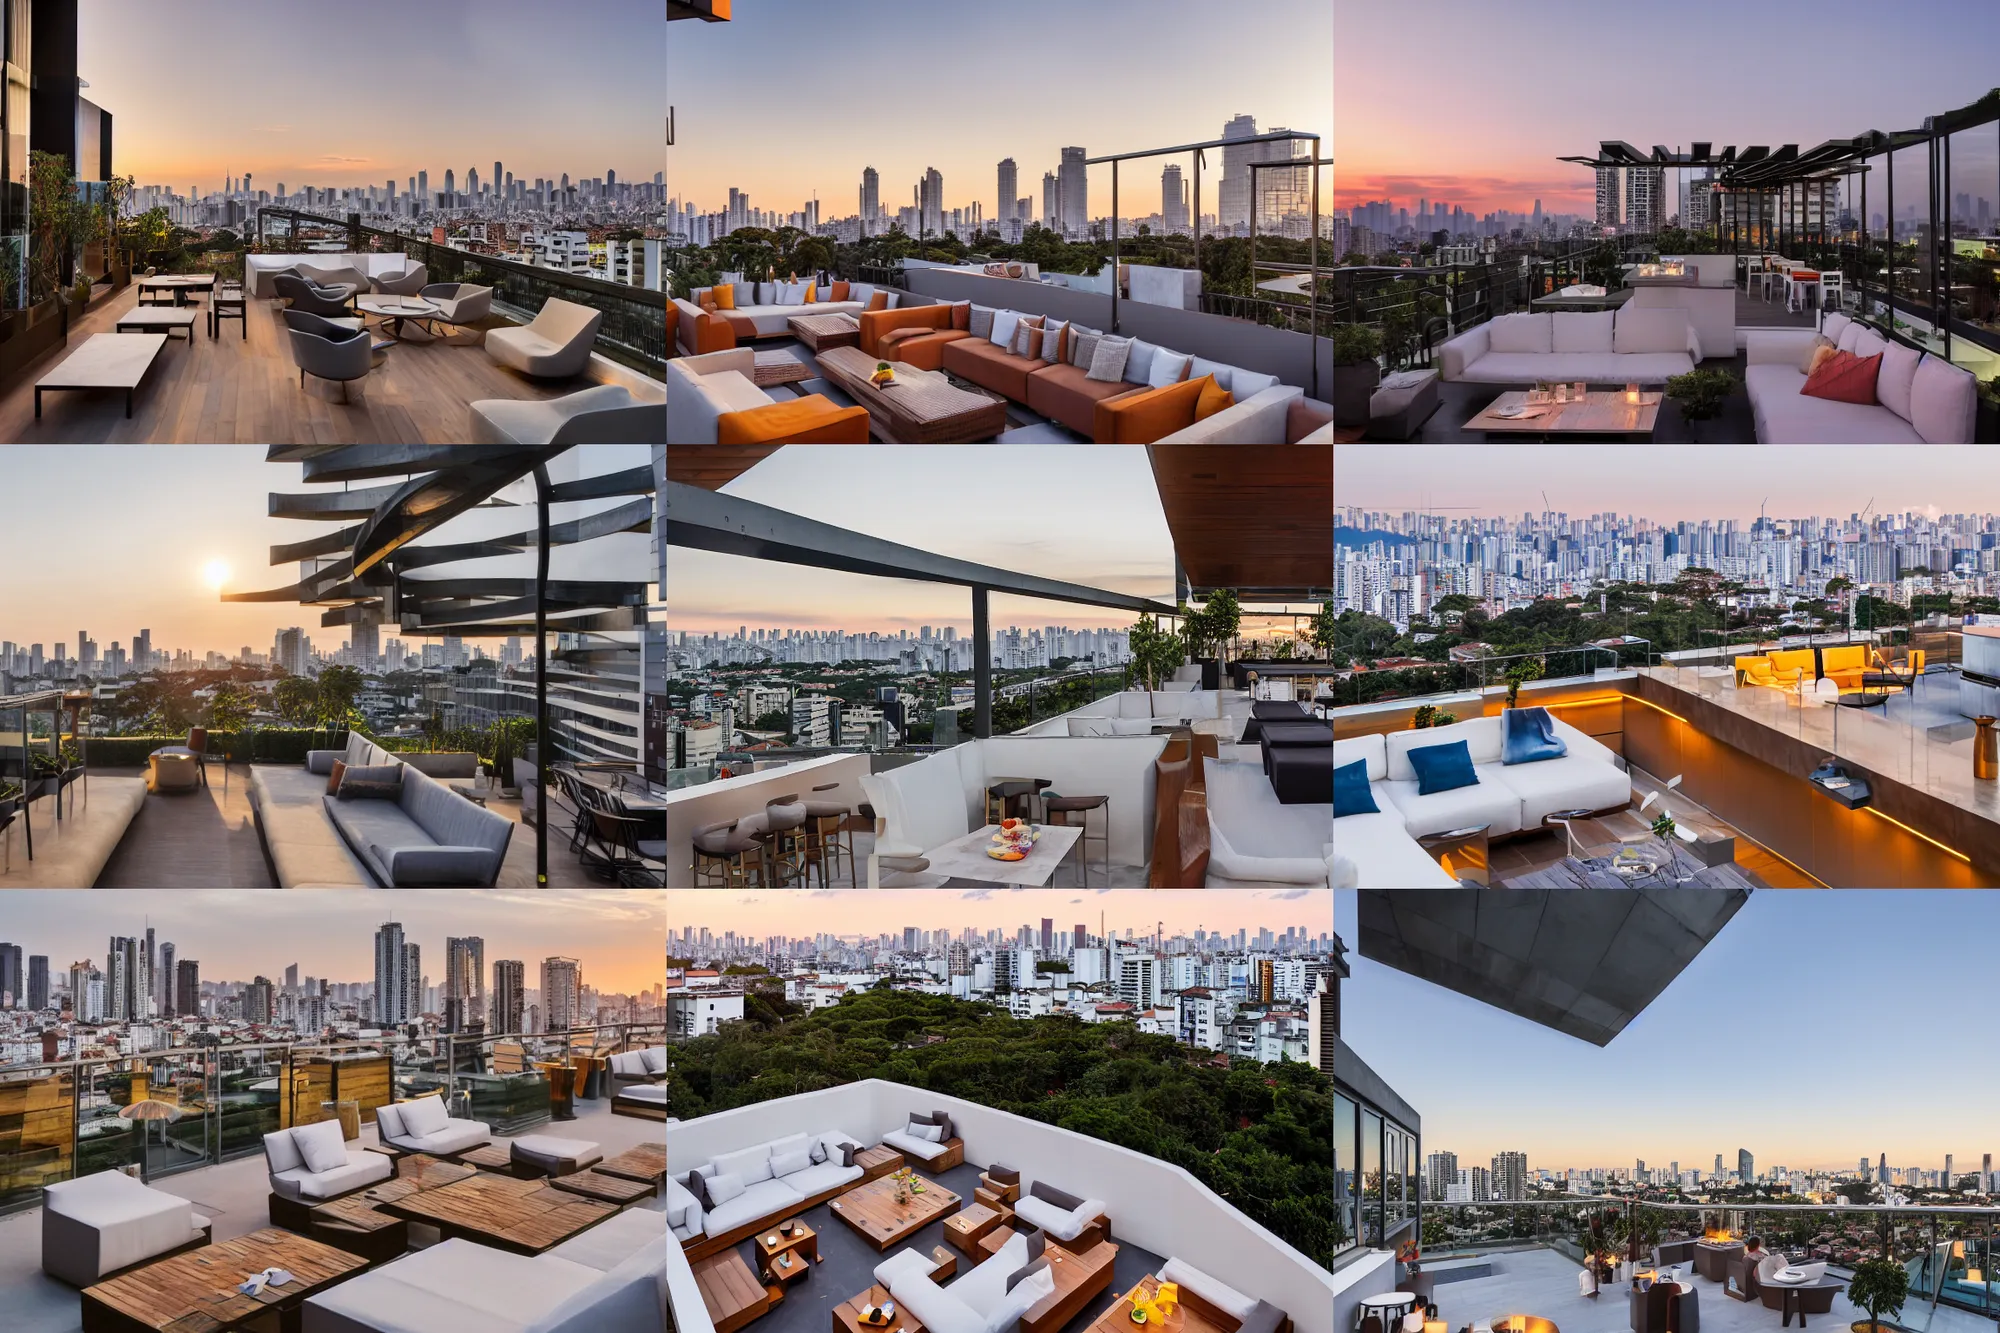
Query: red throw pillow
x=1846 y=378
x=333 y=782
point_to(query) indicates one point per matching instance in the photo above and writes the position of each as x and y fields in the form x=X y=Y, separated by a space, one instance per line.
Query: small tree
x=297 y=700
x=1520 y=674
x=230 y=707
x=1879 y=1286
x=1155 y=651
x=1321 y=630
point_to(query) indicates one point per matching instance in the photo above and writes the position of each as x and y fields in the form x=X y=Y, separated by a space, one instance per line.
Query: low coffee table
x=871 y=1209
x=357 y=1224
x=824 y=332
x=1600 y=413
x=774 y=368
x=196 y=1291
x=964 y=1228
x=775 y=1249
x=647 y=1162
x=594 y=1184
x=847 y=1315
x=521 y=1216
x=730 y=1291
x=921 y=407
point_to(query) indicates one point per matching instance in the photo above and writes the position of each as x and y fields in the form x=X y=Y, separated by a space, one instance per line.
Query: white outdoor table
x=159 y=319
x=966 y=858
x=105 y=361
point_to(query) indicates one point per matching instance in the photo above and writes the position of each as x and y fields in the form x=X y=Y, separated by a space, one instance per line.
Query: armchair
x=310 y=1165
x=328 y=351
x=460 y=303
x=314 y=298
x=1844 y=666
x=700 y=331
x=555 y=346
x=424 y=1126
x=345 y=275
x=1075 y=1224
x=408 y=282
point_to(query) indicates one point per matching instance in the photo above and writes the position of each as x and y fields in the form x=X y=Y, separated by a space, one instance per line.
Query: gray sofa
x=430 y=835
x=1920 y=398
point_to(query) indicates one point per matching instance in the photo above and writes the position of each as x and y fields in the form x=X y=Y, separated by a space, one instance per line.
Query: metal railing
x=1455 y=676
x=1288 y=315
x=634 y=332
x=65 y=1112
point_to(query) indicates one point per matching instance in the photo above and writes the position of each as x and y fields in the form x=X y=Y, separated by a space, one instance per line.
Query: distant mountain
x=1368 y=536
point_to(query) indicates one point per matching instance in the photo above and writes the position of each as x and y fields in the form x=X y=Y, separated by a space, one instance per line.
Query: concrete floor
x=847 y=1265
x=1543 y=1282
x=234 y=1196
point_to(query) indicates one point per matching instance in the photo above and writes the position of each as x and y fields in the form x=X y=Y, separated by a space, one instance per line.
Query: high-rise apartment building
x=1173 y=201
x=393 y=956
x=1746 y=1166
x=1645 y=198
x=1010 y=189
x=871 y=201
x=187 y=987
x=38 y=983
x=1074 y=181
x=1510 y=1175
x=1607 y=197
x=1051 y=202
x=1440 y=1172
x=13 y=987
x=562 y=994
x=163 y=982
x=509 y=995
x=464 y=983
x=1321 y=1021
x=930 y=202
x=257 y=1001
x=1233 y=193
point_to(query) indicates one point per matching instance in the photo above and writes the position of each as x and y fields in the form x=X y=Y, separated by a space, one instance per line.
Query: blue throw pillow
x=1443 y=768
x=1528 y=735
x=1351 y=794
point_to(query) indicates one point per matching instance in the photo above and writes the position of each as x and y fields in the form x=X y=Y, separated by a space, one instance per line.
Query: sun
x=215 y=573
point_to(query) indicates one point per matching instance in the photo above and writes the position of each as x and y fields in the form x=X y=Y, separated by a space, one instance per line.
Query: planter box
x=1353 y=386
x=26 y=334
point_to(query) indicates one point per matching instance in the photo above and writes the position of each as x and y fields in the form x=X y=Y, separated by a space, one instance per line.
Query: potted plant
x=1356 y=372
x=1518 y=675
x=1879 y=1286
x=1701 y=394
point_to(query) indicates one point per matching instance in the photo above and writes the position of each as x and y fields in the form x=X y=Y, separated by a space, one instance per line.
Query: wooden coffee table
x=1118 y=1319
x=775 y=368
x=871 y=1209
x=878 y=1162
x=523 y=1216
x=965 y=1227
x=1600 y=413
x=646 y=1162
x=921 y=407
x=823 y=332
x=358 y=1225
x=847 y=1315
x=730 y=1290
x=802 y=1245
x=196 y=1292
x=594 y=1184
x=495 y=1156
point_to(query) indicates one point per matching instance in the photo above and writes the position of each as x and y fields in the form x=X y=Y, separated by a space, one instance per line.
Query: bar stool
x=1003 y=791
x=782 y=830
x=825 y=821
x=720 y=853
x=1053 y=805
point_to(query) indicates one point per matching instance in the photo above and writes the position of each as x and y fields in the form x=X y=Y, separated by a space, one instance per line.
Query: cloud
x=1076 y=900
x=976 y=895
x=335 y=159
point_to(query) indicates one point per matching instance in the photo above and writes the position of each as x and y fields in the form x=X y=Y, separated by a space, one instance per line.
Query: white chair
x=425 y=1126
x=1832 y=290
x=603 y=414
x=555 y=346
x=310 y=1165
x=1753 y=271
x=96 y=1225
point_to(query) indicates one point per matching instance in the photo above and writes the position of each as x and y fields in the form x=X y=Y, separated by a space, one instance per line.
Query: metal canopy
x=1585 y=964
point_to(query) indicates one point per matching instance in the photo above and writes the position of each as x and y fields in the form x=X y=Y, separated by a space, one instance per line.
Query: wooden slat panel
x=1249 y=516
x=713 y=466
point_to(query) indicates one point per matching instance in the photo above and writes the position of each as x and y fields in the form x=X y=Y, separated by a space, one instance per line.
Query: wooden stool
x=826 y=822
x=1081 y=806
x=724 y=858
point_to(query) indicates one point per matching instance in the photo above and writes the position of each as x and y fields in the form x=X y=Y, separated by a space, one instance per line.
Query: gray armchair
x=313 y=298
x=555 y=346
x=409 y=282
x=344 y=275
x=328 y=350
x=461 y=302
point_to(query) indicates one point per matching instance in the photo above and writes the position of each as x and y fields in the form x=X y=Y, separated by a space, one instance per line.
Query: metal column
x=544 y=751
x=982 y=666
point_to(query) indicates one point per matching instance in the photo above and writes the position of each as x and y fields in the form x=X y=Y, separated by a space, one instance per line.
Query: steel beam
x=982 y=666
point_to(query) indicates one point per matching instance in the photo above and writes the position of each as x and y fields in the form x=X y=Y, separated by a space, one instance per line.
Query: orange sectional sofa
x=1149 y=415
x=915 y=336
x=700 y=331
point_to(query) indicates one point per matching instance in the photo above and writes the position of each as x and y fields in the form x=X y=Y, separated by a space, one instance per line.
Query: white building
x=1201 y=1018
x=697 y=1014
x=568 y=251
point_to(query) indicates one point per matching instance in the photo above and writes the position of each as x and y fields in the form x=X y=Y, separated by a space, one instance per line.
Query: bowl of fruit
x=884 y=376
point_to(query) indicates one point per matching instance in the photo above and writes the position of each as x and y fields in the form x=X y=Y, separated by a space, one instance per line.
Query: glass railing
x=634 y=332
x=64 y=1116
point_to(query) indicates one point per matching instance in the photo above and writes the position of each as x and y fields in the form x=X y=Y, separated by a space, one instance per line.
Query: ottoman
x=1402 y=404
x=98 y=1225
x=547 y=1155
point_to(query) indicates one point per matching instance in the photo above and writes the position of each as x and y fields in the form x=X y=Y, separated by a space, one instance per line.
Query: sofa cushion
x=425 y=1115
x=723 y=1187
x=790 y=1163
x=1048 y=1193
x=1494 y=804
x=1351 y=792
x=1523 y=333
x=1371 y=750
x=458 y=1284
x=1444 y=767
x=1845 y=378
x=1481 y=735
x=1168 y=368
x=1577 y=331
x=1944 y=402
x=357 y=1169
x=455 y=1137
x=1005 y=322
x=1652 y=330
x=990 y=367
x=1219 y=371
x=1783 y=415
x=1384 y=853
x=909 y=1143
x=1850 y=337
x=1832 y=324
x=1870 y=343
x=655 y=1058
x=752 y=1164
x=1527 y=736
x=1247 y=384
x=129 y=1223
x=1893 y=381
x=1216 y=1292
x=1067 y=394
x=821 y=1178
x=1521 y=368
x=1574 y=782
x=384 y=783
x=1108 y=363
x=321 y=1146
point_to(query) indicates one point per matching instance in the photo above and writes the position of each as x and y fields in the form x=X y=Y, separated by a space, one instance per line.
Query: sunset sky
x=1856 y=983
x=1474 y=106
x=369 y=90
x=617 y=936
x=864 y=912
x=1666 y=483
x=983 y=83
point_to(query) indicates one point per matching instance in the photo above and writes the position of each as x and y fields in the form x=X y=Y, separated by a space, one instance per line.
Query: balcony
x=1157 y=1211
x=67 y=1123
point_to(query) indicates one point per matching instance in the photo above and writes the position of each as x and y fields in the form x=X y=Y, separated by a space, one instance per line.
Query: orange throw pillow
x=1845 y=378
x=725 y=297
x=708 y=304
x=333 y=783
x=1214 y=398
x=839 y=291
x=811 y=420
x=1822 y=354
x=879 y=301
x=961 y=315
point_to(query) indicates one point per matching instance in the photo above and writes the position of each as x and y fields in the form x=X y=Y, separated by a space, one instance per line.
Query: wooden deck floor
x=230 y=390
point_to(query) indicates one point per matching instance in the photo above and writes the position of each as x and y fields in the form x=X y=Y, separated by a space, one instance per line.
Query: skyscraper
x=930 y=202
x=464 y=983
x=1746 y=1165
x=392 y=976
x=1010 y=189
x=1173 y=201
x=1232 y=208
x=38 y=981
x=562 y=994
x=1050 y=202
x=1510 y=1175
x=1074 y=179
x=187 y=986
x=1644 y=190
x=13 y=986
x=1882 y=1170
x=1048 y=936
x=509 y=998
x=871 y=201
x=163 y=985
x=1607 y=197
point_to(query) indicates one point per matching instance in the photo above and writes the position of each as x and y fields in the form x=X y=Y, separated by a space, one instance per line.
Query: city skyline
x=1491 y=139
x=1486 y=1081
x=1127 y=61
x=1663 y=483
x=872 y=912
x=136 y=57
x=237 y=935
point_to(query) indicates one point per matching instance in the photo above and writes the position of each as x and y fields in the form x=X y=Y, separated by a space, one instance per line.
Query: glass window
x=1371 y=1178
x=1344 y=1147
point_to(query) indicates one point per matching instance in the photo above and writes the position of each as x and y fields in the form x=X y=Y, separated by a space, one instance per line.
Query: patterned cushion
x=383 y=783
x=981 y=324
x=1082 y=345
x=1107 y=364
x=1053 y=344
x=1845 y=378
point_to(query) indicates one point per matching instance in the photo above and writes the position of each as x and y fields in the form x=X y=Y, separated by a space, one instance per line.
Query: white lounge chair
x=96 y=1225
x=310 y=1165
x=604 y=414
x=405 y=282
x=424 y=1126
x=556 y=346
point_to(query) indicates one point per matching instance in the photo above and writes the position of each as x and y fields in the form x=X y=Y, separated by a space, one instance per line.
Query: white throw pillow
x=894 y=297
x=784 y=1164
x=1898 y=373
x=1222 y=373
x=722 y=1188
x=1168 y=368
x=1139 y=363
x=1004 y=324
x=1582 y=332
x=1108 y=365
x=426 y=1115
x=321 y=1145
x=655 y=1058
x=1871 y=343
x=1520 y=333
x=1849 y=336
x=1943 y=402
x=746 y=294
x=1638 y=332
x=1832 y=326
x=859 y=292
x=928 y=1133
x=1248 y=383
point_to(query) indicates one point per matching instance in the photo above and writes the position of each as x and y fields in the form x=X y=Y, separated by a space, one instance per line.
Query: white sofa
x=258 y=270
x=1606 y=347
x=424 y=1126
x=701 y=388
x=1254 y=839
x=978 y=1302
x=685 y=1218
x=1136 y=712
x=1923 y=399
x=911 y=1145
x=1252 y=1315
x=311 y=1164
x=1507 y=798
x=601 y=414
x=612 y=1276
x=1064 y=1223
x=95 y=1225
x=765 y=1194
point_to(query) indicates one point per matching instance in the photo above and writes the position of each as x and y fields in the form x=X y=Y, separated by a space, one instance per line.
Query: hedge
x=268 y=745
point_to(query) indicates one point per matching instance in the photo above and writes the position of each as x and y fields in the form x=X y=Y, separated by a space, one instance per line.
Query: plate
x=1006 y=854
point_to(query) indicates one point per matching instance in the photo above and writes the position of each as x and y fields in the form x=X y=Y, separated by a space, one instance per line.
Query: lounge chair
x=314 y=298
x=1217 y=1298
x=630 y=1068
x=423 y=1125
x=1075 y=1224
x=404 y=282
x=940 y=1152
x=976 y=1302
x=346 y=275
x=459 y=303
x=328 y=351
x=556 y=346
x=310 y=1165
x=604 y=414
x=97 y=1225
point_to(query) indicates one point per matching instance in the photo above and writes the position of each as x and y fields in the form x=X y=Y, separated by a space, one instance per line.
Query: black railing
x=1287 y=315
x=634 y=332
